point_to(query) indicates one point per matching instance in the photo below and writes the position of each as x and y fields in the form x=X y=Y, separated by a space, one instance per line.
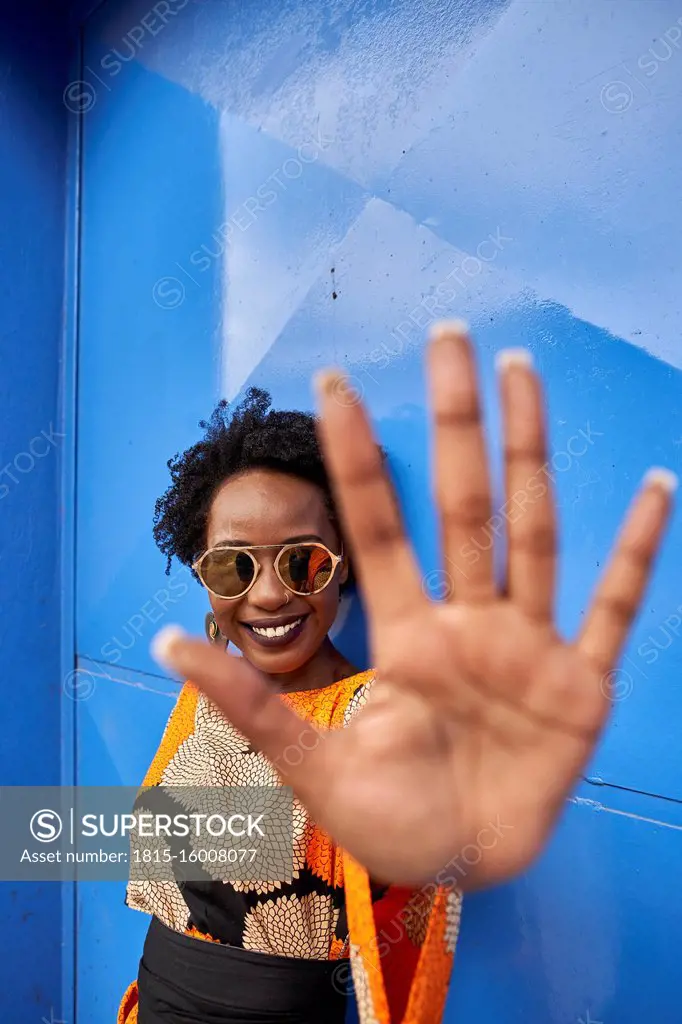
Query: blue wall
x=33 y=139
x=270 y=187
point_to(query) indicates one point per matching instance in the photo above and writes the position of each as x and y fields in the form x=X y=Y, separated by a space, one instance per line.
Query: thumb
x=249 y=702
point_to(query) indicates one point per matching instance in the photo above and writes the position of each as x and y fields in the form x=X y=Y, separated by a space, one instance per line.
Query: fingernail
x=162 y=644
x=445 y=328
x=326 y=381
x=513 y=357
x=660 y=477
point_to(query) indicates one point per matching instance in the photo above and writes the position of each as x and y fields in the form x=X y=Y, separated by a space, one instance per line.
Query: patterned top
x=326 y=911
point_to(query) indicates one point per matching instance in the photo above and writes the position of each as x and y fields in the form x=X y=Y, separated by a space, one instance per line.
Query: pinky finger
x=621 y=588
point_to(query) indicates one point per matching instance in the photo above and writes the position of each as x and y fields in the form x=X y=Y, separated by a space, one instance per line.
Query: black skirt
x=191 y=981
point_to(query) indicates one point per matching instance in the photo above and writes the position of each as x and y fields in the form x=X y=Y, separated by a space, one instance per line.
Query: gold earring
x=212 y=628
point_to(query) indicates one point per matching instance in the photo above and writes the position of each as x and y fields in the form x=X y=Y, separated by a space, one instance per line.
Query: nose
x=268 y=592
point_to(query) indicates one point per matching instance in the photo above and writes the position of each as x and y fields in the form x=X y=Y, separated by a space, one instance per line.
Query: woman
x=251 y=510
x=479 y=712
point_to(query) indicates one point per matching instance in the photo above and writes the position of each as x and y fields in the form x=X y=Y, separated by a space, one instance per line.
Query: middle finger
x=461 y=473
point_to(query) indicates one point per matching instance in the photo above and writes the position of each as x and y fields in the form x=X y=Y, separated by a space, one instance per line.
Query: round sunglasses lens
x=306 y=568
x=227 y=573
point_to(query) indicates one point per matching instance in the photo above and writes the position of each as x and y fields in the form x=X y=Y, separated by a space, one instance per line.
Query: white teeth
x=276 y=631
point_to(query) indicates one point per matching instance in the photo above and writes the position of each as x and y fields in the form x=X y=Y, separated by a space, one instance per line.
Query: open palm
x=482 y=716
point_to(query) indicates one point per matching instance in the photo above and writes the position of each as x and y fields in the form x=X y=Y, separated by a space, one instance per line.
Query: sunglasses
x=303 y=569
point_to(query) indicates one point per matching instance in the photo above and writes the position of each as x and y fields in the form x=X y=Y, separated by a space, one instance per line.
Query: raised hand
x=482 y=714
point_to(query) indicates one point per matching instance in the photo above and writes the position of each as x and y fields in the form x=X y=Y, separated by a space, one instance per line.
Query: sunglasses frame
x=336 y=560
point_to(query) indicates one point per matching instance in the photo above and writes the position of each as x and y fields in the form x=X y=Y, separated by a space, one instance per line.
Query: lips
x=274 y=621
x=276 y=632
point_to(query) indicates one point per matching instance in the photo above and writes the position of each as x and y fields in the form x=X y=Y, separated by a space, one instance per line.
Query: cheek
x=224 y=612
x=326 y=605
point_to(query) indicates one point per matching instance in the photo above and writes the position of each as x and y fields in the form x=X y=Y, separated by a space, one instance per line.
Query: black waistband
x=190 y=981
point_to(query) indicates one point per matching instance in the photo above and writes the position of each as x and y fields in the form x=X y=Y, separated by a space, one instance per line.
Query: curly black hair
x=252 y=436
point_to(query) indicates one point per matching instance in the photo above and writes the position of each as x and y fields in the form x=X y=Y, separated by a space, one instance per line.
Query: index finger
x=382 y=556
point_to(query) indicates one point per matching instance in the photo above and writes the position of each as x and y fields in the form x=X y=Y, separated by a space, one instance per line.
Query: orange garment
x=401 y=946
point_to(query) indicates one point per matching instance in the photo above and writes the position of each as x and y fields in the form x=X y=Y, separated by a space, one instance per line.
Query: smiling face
x=265 y=507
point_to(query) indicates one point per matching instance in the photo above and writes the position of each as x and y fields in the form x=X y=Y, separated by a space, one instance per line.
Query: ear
x=343 y=574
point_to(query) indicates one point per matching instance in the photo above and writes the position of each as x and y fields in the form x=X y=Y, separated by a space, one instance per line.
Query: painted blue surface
x=33 y=143
x=269 y=188
x=587 y=934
